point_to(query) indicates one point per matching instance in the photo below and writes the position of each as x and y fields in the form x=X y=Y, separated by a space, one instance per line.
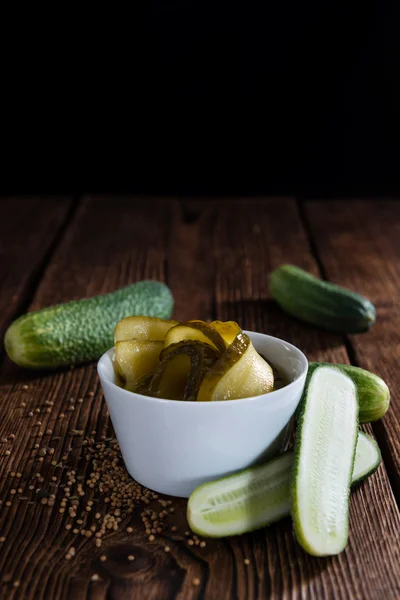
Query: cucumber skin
x=320 y=303
x=373 y=393
x=82 y=330
x=296 y=459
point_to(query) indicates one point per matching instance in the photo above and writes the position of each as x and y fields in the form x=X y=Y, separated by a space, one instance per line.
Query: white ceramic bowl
x=172 y=447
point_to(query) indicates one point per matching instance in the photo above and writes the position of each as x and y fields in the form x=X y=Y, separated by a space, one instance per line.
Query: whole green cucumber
x=373 y=393
x=82 y=330
x=319 y=302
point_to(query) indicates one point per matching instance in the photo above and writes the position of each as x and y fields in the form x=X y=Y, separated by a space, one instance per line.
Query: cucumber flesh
x=259 y=496
x=323 y=463
x=368 y=458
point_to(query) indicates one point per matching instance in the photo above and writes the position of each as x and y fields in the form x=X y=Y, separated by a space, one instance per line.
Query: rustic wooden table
x=215 y=256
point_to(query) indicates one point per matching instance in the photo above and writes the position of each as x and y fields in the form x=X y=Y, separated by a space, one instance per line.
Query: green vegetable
x=259 y=496
x=82 y=330
x=325 y=448
x=367 y=459
x=319 y=302
x=373 y=393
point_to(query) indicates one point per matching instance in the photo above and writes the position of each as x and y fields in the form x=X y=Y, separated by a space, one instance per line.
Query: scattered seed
x=151 y=538
x=12 y=436
x=91 y=394
x=190 y=542
x=25 y=387
x=37 y=410
x=23 y=404
x=131 y=557
x=95 y=577
x=196 y=581
x=3 y=538
x=246 y=561
x=103 y=557
x=80 y=400
x=7 y=453
x=167 y=549
x=202 y=544
x=16 y=583
x=129 y=529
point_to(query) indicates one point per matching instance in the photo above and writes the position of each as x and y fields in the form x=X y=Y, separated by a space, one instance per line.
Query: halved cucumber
x=259 y=496
x=368 y=458
x=325 y=448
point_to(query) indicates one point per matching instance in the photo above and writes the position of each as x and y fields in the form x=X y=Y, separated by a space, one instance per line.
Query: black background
x=184 y=98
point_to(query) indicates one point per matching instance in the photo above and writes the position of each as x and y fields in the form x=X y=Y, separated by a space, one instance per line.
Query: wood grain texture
x=216 y=257
x=359 y=247
x=28 y=229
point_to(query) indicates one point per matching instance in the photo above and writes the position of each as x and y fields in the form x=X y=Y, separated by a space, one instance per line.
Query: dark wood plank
x=251 y=239
x=111 y=243
x=359 y=246
x=28 y=230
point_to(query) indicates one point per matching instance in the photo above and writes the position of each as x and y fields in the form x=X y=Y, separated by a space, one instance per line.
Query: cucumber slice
x=368 y=458
x=234 y=505
x=242 y=502
x=323 y=463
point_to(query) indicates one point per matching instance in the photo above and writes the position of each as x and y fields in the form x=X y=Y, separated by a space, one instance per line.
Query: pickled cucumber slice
x=228 y=330
x=142 y=328
x=239 y=373
x=135 y=359
x=181 y=370
x=195 y=330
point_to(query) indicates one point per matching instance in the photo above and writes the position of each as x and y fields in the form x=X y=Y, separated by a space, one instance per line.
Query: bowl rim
x=270 y=396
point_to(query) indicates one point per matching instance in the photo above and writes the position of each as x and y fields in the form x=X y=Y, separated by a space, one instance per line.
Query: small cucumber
x=80 y=331
x=259 y=496
x=373 y=393
x=319 y=302
x=326 y=439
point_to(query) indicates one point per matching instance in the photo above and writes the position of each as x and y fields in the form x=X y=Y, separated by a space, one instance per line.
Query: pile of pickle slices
x=191 y=361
